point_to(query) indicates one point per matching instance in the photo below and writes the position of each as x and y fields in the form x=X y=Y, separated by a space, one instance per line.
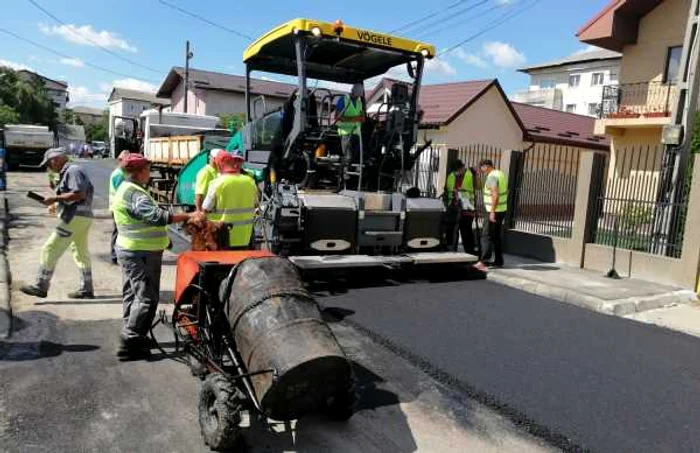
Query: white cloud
x=133 y=84
x=503 y=55
x=14 y=65
x=470 y=59
x=439 y=67
x=504 y=2
x=75 y=62
x=586 y=49
x=83 y=95
x=86 y=35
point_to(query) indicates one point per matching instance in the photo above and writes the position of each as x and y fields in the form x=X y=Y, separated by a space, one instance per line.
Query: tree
x=69 y=116
x=27 y=97
x=98 y=131
x=8 y=115
x=231 y=120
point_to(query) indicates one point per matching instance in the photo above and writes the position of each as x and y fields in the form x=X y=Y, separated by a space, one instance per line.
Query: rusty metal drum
x=276 y=324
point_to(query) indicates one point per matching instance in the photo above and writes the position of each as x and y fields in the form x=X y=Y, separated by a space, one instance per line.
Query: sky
x=140 y=40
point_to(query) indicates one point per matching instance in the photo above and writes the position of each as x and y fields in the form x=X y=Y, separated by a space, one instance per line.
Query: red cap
x=134 y=162
x=227 y=162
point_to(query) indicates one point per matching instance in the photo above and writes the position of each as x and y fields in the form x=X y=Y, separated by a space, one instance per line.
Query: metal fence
x=471 y=156
x=629 y=213
x=545 y=190
x=424 y=174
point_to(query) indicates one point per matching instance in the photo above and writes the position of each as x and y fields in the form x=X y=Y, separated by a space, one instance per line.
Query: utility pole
x=188 y=56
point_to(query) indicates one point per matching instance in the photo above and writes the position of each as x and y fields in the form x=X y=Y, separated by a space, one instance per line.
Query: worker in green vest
x=115 y=180
x=350 y=116
x=232 y=199
x=496 y=204
x=142 y=237
x=204 y=177
x=459 y=195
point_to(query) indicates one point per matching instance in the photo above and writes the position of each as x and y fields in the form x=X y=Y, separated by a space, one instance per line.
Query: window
x=673 y=64
x=574 y=80
x=597 y=79
x=613 y=77
x=547 y=83
x=571 y=108
x=593 y=108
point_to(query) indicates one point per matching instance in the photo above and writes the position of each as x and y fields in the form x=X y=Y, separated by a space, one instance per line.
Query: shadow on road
x=109 y=299
x=21 y=352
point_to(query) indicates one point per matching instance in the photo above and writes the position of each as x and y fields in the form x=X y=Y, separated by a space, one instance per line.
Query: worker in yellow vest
x=204 y=177
x=496 y=204
x=350 y=112
x=142 y=237
x=459 y=194
x=115 y=180
x=232 y=200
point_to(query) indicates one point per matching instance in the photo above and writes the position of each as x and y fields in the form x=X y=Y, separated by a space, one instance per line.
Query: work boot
x=133 y=349
x=33 y=290
x=81 y=295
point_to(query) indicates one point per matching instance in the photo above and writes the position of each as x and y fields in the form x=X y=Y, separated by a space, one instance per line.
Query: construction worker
x=142 y=238
x=459 y=193
x=204 y=177
x=232 y=199
x=74 y=193
x=496 y=204
x=115 y=180
x=350 y=116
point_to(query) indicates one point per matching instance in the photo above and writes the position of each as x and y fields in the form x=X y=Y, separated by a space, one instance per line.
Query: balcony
x=636 y=105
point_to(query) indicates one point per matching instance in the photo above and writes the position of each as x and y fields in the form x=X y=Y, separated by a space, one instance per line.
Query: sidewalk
x=588 y=289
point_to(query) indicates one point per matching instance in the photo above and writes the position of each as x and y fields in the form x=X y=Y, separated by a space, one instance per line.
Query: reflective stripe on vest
x=502 y=192
x=235 y=206
x=133 y=234
x=352 y=110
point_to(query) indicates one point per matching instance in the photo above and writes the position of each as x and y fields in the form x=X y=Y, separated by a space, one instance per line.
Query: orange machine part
x=188 y=265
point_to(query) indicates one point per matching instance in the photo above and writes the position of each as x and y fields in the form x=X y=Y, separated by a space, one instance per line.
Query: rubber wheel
x=219 y=413
x=342 y=406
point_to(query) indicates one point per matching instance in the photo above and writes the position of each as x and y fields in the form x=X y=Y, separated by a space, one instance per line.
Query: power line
x=446 y=25
x=205 y=20
x=436 y=13
x=61 y=54
x=128 y=60
x=504 y=18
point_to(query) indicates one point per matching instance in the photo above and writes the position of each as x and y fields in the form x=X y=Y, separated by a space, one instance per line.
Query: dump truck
x=25 y=144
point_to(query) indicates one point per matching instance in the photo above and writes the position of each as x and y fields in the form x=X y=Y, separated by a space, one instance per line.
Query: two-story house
x=573 y=84
x=649 y=34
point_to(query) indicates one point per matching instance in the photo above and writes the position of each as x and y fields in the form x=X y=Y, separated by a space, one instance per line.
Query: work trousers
x=492 y=239
x=140 y=290
x=351 y=147
x=113 y=241
x=466 y=223
x=460 y=223
x=74 y=235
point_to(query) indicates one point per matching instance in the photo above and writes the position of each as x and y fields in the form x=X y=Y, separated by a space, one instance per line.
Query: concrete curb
x=617 y=307
x=5 y=275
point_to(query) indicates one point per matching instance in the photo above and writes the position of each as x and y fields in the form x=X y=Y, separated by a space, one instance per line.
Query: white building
x=573 y=84
x=128 y=103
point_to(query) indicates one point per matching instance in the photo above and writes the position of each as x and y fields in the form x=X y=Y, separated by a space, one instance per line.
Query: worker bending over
x=74 y=193
x=204 y=177
x=459 y=193
x=115 y=180
x=496 y=204
x=232 y=199
x=350 y=116
x=141 y=239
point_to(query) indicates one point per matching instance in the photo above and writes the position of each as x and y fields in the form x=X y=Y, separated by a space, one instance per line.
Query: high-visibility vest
x=352 y=110
x=204 y=177
x=133 y=234
x=235 y=196
x=502 y=192
x=466 y=190
x=113 y=185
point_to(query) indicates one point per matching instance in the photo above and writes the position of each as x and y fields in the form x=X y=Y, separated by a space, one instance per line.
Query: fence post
x=511 y=165
x=690 y=253
x=588 y=186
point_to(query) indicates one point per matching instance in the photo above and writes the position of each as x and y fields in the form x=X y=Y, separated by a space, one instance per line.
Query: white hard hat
x=214 y=152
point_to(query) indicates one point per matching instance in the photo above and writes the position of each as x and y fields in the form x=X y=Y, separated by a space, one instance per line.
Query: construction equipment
x=318 y=208
x=255 y=336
